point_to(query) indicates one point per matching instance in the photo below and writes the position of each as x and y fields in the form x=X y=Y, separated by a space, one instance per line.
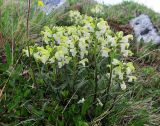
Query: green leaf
x=16 y=73
x=8 y=53
x=31 y=74
x=86 y=106
x=3 y=67
x=81 y=123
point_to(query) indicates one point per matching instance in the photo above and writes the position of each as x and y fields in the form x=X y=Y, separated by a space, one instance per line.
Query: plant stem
x=74 y=73
x=27 y=28
x=109 y=85
x=54 y=72
x=95 y=70
x=12 y=40
x=70 y=100
x=28 y=15
x=95 y=80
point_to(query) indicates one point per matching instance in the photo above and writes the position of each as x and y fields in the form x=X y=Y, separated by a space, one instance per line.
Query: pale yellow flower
x=81 y=101
x=40 y=3
x=123 y=86
x=83 y=62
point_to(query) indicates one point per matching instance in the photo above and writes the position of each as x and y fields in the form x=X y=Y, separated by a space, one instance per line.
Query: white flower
x=102 y=25
x=69 y=41
x=64 y=48
x=121 y=76
x=111 y=40
x=44 y=59
x=82 y=54
x=73 y=52
x=115 y=62
x=71 y=45
x=52 y=60
x=123 y=86
x=59 y=55
x=81 y=101
x=124 y=40
x=123 y=47
x=67 y=59
x=46 y=36
x=102 y=41
x=130 y=37
x=97 y=9
x=125 y=53
x=60 y=64
x=82 y=44
x=131 y=78
x=89 y=27
x=37 y=55
x=113 y=43
x=118 y=71
x=75 y=16
x=26 y=52
x=130 y=68
x=40 y=56
x=83 y=62
x=98 y=34
x=105 y=52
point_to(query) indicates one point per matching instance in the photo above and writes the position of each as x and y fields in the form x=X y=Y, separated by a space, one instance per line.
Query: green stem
x=54 y=72
x=27 y=29
x=95 y=69
x=39 y=70
x=95 y=80
x=109 y=85
x=74 y=73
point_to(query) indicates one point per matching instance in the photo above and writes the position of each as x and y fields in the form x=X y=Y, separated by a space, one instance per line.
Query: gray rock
x=51 y=5
x=144 y=29
x=53 y=2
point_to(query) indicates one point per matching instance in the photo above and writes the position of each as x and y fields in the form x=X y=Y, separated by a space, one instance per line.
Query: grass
x=25 y=103
x=14 y=19
x=125 y=11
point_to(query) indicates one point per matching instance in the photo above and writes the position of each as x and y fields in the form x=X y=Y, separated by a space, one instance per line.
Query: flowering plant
x=89 y=36
x=97 y=9
x=87 y=53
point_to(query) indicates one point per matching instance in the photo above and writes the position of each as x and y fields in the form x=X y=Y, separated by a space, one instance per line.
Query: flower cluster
x=97 y=9
x=123 y=71
x=87 y=37
x=75 y=17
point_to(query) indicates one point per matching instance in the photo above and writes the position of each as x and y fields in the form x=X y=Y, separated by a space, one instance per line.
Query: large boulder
x=145 y=30
x=51 y=5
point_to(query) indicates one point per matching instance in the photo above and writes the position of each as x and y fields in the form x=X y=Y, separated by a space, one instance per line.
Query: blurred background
x=153 y=4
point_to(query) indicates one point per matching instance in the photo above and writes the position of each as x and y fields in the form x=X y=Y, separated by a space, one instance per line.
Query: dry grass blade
x=1 y=91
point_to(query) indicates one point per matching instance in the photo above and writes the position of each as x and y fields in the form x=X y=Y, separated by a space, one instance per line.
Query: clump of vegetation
x=80 y=72
x=77 y=53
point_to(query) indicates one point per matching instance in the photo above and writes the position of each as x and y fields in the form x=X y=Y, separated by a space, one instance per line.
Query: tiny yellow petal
x=40 y=3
